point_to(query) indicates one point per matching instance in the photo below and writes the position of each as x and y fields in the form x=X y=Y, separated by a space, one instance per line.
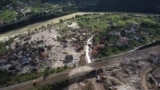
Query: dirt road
x=143 y=77
x=87 y=50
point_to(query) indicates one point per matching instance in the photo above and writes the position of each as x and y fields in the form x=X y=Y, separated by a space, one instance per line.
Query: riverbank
x=54 y=21
x=38 y=25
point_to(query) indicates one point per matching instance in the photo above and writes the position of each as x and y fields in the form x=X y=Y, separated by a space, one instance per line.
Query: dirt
x=80 y=70
x=88 y=84
x=125 y=87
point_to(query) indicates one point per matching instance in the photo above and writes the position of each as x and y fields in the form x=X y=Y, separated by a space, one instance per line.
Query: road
x=143 y=77
x=136 y=55
x=87 y=51
x=115 y=79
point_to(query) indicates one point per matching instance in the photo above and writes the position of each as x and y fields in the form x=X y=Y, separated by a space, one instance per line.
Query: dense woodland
x=148 y=6
x=18 y=13
x=142 y=6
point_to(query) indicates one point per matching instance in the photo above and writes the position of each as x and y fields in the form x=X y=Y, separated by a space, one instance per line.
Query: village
x=130 y=74
x=44 y=47
x=20 y=10
x=68 y=45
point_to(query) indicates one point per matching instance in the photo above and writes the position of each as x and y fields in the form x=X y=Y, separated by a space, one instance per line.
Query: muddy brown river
x=38 y=24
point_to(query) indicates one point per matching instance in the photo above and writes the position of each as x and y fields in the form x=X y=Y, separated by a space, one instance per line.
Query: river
x=54 y=21
x=39 y=24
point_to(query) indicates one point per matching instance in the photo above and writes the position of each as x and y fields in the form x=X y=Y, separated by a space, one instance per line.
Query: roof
x=3 y=57
x=155 y=55
x=68 y=58
x=123 y=41
x=94 y=52
x=99 y=46
x=95 y=48
x=156 y=75
x=25 y=60
x=6 y=67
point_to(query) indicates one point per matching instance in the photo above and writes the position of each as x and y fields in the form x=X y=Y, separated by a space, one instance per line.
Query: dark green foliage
x=150 y=24
x=135 y=43
x=4 y=77
x=13 y=79
x=57 y=86
x=144 y=6
x=61 y=20
x=9 y=79
x=3 y=48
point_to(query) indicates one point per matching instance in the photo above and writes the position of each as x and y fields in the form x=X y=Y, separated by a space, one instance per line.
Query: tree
x=61 y=20
x=4 y=77
x=3 y=48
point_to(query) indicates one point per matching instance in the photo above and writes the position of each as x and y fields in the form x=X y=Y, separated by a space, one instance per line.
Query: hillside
x=141 y=6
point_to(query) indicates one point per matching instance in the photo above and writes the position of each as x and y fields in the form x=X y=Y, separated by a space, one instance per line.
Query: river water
x=37 y=25
x=44 y=23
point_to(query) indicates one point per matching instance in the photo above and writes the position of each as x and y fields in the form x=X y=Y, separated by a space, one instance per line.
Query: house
x=82 y=59
x=110 y=45
x=94 y=53
x=42 y=55
x=95 y=48
x=100 y=76
x=98 y=47
x=132 y=30
x=155 y=58
x=113 y=33
x=3 y=57
x=127 y=68
x=78 y=47
x=155 y=75
x=12 y=69
x=123 y=33
x=3 y=62
x=136 y=38
x=68 y=58
x=122 y=42
x=5 y=67
x=15 y=62
x=144 y=33
x=25 y=61
x=26 y=11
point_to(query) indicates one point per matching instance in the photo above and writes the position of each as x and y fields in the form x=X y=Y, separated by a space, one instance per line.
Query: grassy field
x=8 y=16
x=91 y=20
x=101 y=20
x=148 y=29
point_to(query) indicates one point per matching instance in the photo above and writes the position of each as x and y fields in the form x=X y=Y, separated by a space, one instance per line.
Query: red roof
x=94 y=53
x=123 y=41
x=3 y=57
x=99 y=46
